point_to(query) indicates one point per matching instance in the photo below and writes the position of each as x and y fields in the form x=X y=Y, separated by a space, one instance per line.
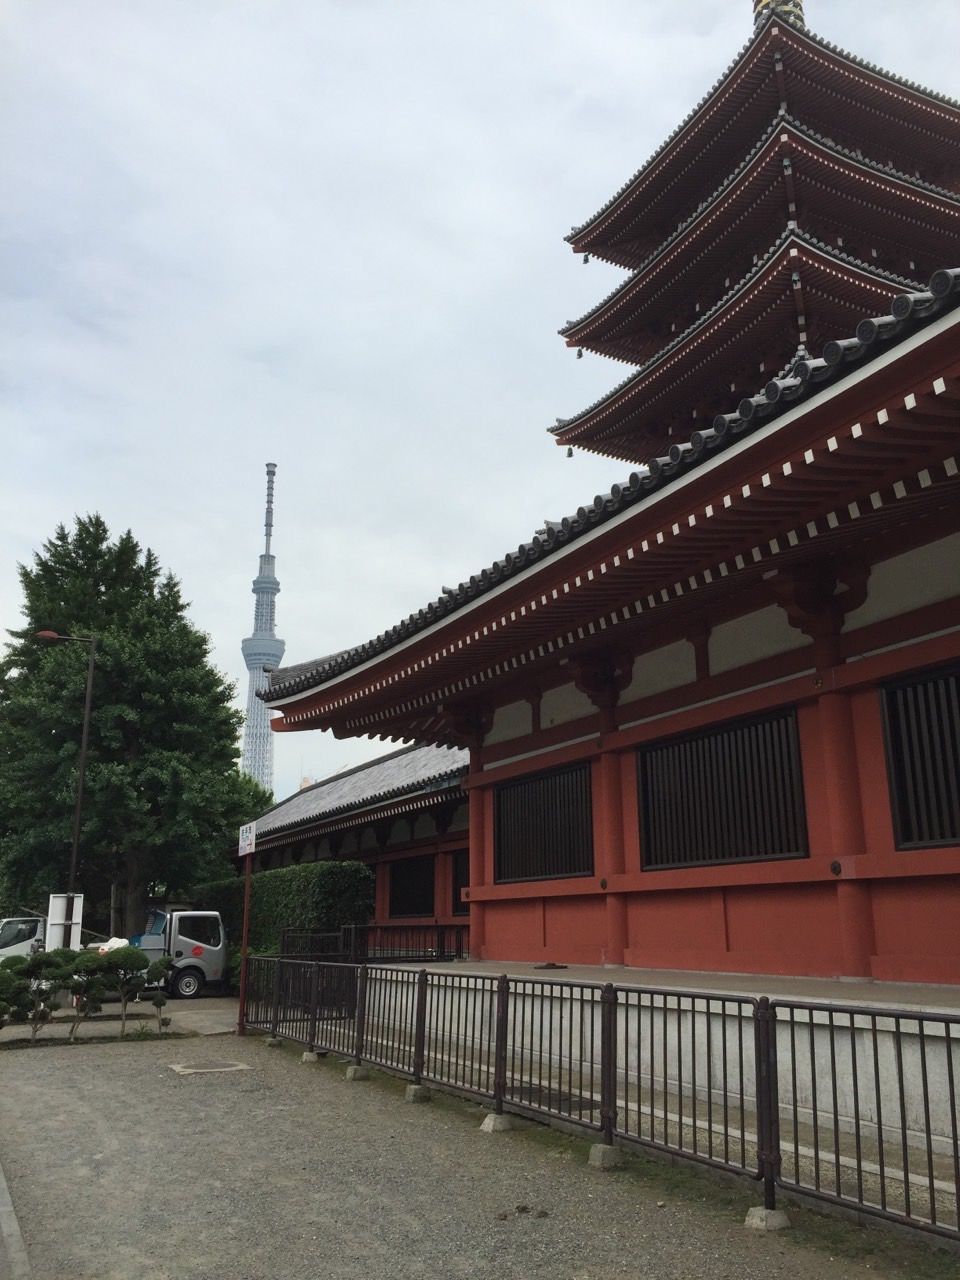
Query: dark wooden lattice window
x=461 y=881
x=731 y=794
x=923 y=758
x=544 y=826
x=411 y=886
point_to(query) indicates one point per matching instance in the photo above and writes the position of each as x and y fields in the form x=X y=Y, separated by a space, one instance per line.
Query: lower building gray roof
x=409 y=770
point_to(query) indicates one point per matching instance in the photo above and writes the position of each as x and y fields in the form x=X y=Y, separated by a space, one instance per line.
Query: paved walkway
x=865 y=991
x=122 y=1169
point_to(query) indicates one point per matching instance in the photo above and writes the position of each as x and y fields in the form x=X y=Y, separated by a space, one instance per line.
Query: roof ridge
x=671 y=137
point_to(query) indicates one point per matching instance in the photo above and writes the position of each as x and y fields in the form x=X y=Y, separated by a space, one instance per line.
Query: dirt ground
x=120 y=1168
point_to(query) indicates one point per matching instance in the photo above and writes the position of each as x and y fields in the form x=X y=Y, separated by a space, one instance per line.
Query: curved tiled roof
x=404 y=772
x=803 y=377
x=782 y=118
x=788 y=234
x=860 y=63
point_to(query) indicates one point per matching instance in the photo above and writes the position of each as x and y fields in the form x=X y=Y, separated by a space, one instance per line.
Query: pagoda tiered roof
x=754 y=328
x=859 y=106
x=805 y=187
x=717 y=244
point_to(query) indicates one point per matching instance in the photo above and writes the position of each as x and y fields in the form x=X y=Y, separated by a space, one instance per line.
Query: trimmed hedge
x=316 y=895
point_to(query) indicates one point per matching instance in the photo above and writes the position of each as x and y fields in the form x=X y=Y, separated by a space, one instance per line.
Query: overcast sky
x=329 y=235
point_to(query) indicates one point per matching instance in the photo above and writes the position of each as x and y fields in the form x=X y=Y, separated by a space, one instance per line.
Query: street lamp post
x=54 y=637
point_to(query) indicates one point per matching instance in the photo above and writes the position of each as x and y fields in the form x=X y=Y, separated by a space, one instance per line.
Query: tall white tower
x=262 y=652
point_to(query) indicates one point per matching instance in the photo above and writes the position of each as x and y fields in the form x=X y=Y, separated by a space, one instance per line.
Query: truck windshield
x=13 y=932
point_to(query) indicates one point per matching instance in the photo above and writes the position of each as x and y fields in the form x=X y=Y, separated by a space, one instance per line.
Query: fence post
x=275 y=1016
x=360 y=1025
x=608 y=1062
x=768 y=1100
x=314 y=999
x=500 y=1044
x=420 y=1028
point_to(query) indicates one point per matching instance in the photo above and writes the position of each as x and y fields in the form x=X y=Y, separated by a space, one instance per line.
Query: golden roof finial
x=789 y=9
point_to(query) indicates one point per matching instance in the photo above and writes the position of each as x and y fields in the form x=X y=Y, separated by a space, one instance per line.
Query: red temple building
x=713 y=716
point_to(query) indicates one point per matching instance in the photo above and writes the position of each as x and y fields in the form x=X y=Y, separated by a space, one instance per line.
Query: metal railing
x=852 y=1105
x=868 y=1109
x=309 y=944
x=383 y=942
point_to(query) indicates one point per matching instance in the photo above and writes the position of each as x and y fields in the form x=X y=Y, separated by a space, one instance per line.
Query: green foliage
x=234 y=969
x=125 y=969
x=317 y=895
x=163 y=798
x=47 y=972
x=87 y=987
x=15 y=999
x=158 y=1002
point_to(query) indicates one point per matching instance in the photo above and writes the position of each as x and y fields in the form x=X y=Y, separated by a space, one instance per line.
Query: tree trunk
x=134 y=896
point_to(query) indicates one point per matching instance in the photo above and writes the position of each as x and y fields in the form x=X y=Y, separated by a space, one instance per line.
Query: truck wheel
x=186 y=983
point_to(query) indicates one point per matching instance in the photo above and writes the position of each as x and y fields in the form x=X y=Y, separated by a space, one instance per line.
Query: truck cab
x=194 y=941
x=21 y=935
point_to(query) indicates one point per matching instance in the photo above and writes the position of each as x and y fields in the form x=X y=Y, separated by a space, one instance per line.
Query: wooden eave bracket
x=817 y=597
x=603 y=677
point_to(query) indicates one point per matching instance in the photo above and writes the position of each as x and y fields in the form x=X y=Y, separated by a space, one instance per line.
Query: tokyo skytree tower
x=262 y=652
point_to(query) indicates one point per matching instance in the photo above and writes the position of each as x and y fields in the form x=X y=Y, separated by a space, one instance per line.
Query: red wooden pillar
x=603 y=677
x=478 y=859
x=845 y=813
x=817 y=597
x=381 y=907
x=608 y=850
x=441 y=885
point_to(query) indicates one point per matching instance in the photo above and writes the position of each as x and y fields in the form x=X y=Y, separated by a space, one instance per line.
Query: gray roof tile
x=404 y=772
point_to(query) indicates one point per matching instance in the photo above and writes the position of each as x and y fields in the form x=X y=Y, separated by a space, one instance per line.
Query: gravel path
x=121 y=1169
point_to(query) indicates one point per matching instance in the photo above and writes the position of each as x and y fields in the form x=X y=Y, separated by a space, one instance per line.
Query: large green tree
x=163 y=797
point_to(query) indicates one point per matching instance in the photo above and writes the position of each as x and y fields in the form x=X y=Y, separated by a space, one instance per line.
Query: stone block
x=496 y=1124
x=358 y=1073
x=273 y=1042
x=309 y=1057
x=417 y=1093
x=759 y=1219
x=603 y=1156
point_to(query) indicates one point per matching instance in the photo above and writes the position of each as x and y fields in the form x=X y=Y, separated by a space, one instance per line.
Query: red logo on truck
x=197 y=951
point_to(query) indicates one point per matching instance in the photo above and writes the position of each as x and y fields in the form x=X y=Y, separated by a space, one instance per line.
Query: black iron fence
x=847 y=1104
x=354 y=944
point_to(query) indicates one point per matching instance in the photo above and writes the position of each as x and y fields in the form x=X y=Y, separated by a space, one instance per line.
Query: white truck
x=195 y=941
x=22 y=935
